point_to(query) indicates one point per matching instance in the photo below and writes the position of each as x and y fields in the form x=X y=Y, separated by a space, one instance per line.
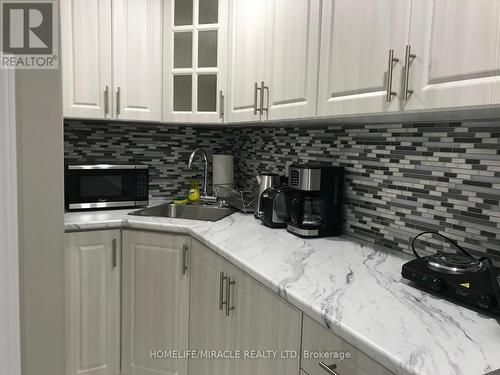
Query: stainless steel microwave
x=106 y=186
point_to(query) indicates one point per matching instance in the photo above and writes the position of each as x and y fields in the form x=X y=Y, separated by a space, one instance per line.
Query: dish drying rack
x=242 y=200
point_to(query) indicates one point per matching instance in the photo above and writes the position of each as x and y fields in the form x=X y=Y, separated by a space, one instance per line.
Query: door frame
x=10 y=341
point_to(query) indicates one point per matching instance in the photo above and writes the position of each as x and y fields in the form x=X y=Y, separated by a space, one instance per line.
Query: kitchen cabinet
x=291 y=58
x=231 y=311
x=112 y=59
x=195 y=60
x=273 y=59
x=247 y=19
x=264 y=322
x=455 y=45
x=92 y=269
x=361 y=64
x=345 y=358
x=155 y=298
x=137 y=59
x=86 y=58
x=209 y=327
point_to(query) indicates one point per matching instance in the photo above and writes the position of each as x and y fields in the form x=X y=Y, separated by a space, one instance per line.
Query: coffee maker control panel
x=306 y=179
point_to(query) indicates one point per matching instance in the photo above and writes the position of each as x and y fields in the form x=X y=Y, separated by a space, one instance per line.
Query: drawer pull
x=114 y=260
x=329 y=369
x=229 y=306
x=184 y=259
x=222 y=279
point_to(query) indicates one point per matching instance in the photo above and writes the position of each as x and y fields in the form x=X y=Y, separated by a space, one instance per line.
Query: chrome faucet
x=204 y=195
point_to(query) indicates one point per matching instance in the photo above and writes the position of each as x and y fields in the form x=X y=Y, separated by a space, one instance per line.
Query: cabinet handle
x=222 y=278
x=106 y=100
x=118 y=97
x=184 y=259
x=264 y=89
x=221 y=104
x=329 y=369
x=114 y=253
x=229 y=308
x=256 y=109
x=390 y=70
x=408 y=59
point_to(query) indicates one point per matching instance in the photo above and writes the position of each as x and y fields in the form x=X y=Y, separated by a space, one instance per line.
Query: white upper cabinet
x=247 y=20
x=112 y=59
x=86 y=58
x=195 y=60
x=496 y=93
x=455 y=44
x=291 y=59
x=137 y=59
x=356 y=69
x=273 y=59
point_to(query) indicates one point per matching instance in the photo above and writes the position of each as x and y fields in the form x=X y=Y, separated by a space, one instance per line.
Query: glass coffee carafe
x=307 y=210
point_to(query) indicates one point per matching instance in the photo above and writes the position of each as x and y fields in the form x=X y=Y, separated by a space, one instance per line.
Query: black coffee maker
x=316 y=199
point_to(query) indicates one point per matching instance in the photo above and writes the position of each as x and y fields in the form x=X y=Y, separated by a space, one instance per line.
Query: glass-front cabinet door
x=194 y=60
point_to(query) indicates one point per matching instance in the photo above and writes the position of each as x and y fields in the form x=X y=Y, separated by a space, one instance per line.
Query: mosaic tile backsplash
x=401 y=179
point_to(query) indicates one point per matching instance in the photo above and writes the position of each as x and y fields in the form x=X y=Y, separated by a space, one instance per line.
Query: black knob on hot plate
x=437 y=284
x=484 y=302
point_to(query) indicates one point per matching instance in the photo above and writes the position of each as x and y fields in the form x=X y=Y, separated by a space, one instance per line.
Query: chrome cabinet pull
x=106 y=100
x=256 y=108
x=229 y=308
x=408 y=59
x=390 y=70
x=329 y=369
x=264 y=89
x=114 y=260
x=221 y=104
x=118 y=97
x=184 y=259
x=222 y=279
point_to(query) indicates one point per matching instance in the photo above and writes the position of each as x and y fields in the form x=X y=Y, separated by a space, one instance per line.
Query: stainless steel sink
x=191 y=212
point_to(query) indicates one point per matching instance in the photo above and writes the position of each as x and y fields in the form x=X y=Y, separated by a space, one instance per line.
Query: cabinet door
x=246 y=59
x=264 y=322
x=316 y=340
x=454 y=42
x=356 y=38
x=291 y=58
x=92 y=303
x=137 y=59
x=195 y=60
x=154 y=302
x=209 y=327
x=86 y=58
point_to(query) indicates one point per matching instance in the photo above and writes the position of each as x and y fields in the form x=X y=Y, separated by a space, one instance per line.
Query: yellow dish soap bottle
x=195 y=191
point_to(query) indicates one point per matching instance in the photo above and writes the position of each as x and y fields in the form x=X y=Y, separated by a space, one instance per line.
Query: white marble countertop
x=354 y=290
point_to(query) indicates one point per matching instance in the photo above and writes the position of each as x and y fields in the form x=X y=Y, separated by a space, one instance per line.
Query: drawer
x=342 y=357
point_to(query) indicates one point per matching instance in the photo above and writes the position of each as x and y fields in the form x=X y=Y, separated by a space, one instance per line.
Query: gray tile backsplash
x=401 y=178
x=165 y=149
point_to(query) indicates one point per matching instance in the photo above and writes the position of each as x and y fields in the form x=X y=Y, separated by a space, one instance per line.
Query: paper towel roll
x=223 y=169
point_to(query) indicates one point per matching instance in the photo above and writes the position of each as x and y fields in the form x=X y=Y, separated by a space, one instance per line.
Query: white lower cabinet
x=155 y=298
x=231 y=311
x=209 y=327
x=92 y=303
x=316 y=340
x=177 y=294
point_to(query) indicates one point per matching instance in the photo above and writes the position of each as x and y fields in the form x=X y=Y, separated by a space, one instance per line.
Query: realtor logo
x=29 y=34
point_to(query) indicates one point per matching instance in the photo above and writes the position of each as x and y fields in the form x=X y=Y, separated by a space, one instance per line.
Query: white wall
x=10 y=355
x=41 y=220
